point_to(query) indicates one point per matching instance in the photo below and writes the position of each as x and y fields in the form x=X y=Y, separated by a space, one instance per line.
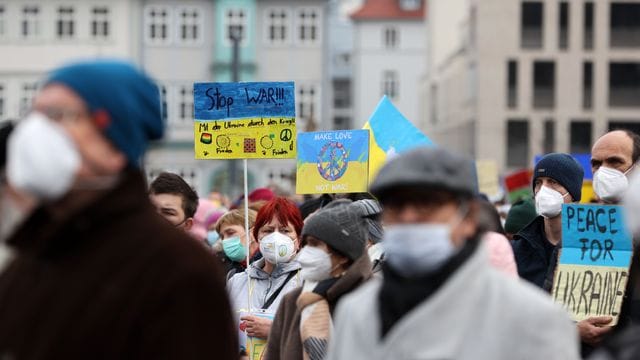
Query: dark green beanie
x=520 y=214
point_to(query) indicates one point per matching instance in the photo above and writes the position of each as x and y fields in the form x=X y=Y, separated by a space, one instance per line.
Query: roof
x=387 y=10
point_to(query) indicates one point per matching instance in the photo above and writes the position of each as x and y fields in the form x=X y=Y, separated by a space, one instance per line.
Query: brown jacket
x=284 y=338
x=112 y=281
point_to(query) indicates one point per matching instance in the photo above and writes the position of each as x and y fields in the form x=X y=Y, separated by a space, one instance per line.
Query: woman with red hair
x=256 y=293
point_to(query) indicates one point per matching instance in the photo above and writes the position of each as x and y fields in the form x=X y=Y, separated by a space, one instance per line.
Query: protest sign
x=488 y=180
x=518 y=185
x=244 y=120
x=593 y=268
x=332 y=162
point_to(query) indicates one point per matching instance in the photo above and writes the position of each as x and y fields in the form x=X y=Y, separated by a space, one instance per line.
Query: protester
x=205 y=218
x=266 y=281
x=231 y=229
x=521 y=213
x=613 y=158
x=439 y=298
x=334 y=262
x=310 y=206
x=492 y=234
x=372 y=212
x=97 y=273
x=557 y=179
x=259 y=195
x=174 y=199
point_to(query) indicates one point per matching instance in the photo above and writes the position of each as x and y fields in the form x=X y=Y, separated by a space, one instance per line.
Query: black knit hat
x=340 y=227
x=562 y=168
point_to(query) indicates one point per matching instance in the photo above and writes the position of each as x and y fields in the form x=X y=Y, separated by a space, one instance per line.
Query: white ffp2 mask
x=549 y=202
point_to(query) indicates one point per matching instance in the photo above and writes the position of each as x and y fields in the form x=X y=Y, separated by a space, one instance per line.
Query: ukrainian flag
x=390 y=134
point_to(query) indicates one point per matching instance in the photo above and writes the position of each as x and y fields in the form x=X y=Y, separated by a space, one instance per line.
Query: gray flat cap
x=428 y=167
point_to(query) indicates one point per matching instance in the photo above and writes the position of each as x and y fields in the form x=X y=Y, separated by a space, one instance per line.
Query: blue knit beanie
x=126 y=99
x=564 y=169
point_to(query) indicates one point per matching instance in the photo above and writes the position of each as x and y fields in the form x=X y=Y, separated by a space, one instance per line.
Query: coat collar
x=256 y=272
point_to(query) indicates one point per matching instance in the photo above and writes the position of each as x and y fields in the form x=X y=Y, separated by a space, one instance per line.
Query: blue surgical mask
x=212 y=237
x=234 y=249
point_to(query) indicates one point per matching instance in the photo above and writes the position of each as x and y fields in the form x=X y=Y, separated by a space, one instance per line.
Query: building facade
x=389 y=56
x=520 y=78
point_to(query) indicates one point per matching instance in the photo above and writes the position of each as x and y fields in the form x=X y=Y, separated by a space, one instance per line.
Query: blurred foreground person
x=334 y=262
x=97 y=272
x=174 y=199
x=439 y=297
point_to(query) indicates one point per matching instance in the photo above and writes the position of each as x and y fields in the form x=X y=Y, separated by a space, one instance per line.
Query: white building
x=38 y=36
x=389 y=56
x=511 y=79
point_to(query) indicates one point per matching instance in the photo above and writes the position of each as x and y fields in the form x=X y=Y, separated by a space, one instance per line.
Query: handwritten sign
x=593 y=270
x=244 y=120
x=332 y=162
x=488 y=181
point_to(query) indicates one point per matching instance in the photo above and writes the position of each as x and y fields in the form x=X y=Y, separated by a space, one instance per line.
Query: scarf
x=315 y=319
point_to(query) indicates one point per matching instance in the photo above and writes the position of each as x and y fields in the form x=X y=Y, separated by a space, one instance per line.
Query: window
x=308 y=26
x=580 y=134
x=587 y=85
x=624 y=84
x=277 y=21
x=548 y=145
x=2 y=114
x=28 y=92
x=390 y=84
x=164 y=100
x=306 y=102
x=625 y=25
x=588 y=25
x=30 y=21
x=531 y=22
x=544 y=84
x=157 y=20
x=100 y=22
x=65 y=22
x=185 y=104
x=410 y=5
x=563 y=22
x=628 y=124
x=512 y=84
x=341 y=93
x=517 y=143
x=390 y=38
x=341 y=123
x=189 y=25
x=236 y=25
x=3 y=20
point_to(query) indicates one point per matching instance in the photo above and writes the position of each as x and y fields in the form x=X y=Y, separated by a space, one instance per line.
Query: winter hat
x=371 y=211
x=428 y=167
x=562 y=168
x=520 y=215
x=123 y=100
x=339 y=227
x=261 y=194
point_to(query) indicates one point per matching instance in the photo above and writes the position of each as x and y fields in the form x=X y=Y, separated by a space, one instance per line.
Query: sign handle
x=247 y=240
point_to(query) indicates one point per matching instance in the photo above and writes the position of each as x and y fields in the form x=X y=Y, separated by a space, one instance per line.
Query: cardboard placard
x=593 y=269
x=488 y=179
x=244 y=120
x=332 y=162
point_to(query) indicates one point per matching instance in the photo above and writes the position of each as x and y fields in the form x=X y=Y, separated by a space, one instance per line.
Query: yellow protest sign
x=488 y=182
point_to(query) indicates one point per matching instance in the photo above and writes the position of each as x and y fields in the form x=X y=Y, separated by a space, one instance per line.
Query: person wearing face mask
x=439 y=297
x=230 y=228
x=256 y=293
x=334 y=262
x=557 y=179
x=613 y=159
x=96 y=269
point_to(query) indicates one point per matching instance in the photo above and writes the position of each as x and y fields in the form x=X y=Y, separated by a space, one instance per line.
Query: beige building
x=511 y=79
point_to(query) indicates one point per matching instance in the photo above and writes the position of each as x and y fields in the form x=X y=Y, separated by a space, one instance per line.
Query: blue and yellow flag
x=390 y=134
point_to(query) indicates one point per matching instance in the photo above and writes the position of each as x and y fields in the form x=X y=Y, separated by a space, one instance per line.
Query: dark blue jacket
x=529 y=251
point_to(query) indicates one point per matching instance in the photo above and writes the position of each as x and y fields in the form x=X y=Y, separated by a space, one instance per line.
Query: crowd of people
x=96 y=263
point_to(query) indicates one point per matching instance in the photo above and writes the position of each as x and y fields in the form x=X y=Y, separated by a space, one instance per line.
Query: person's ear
x=188 y=223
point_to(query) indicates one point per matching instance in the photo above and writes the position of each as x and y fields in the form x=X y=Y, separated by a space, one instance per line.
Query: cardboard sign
x=593 y=268
x=391 y=134
x=332 y=162
x=244 y=120
x=488 y=180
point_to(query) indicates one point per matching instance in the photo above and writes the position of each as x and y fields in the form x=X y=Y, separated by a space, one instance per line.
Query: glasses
x=61 y=115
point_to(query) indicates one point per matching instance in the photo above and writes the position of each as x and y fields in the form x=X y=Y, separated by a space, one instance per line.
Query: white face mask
x=42 y=159
x=277 y=248
x=549 y=202
x=631 y=203
x=417 y=249
x=610 y=184
x=315 y=262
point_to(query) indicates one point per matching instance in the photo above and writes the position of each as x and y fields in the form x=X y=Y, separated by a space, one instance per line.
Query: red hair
x=282 y=209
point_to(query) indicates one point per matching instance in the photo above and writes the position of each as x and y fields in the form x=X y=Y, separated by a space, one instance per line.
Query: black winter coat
x=534 y=264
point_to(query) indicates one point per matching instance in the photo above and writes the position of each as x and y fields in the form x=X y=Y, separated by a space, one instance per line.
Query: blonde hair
x=235 y=217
